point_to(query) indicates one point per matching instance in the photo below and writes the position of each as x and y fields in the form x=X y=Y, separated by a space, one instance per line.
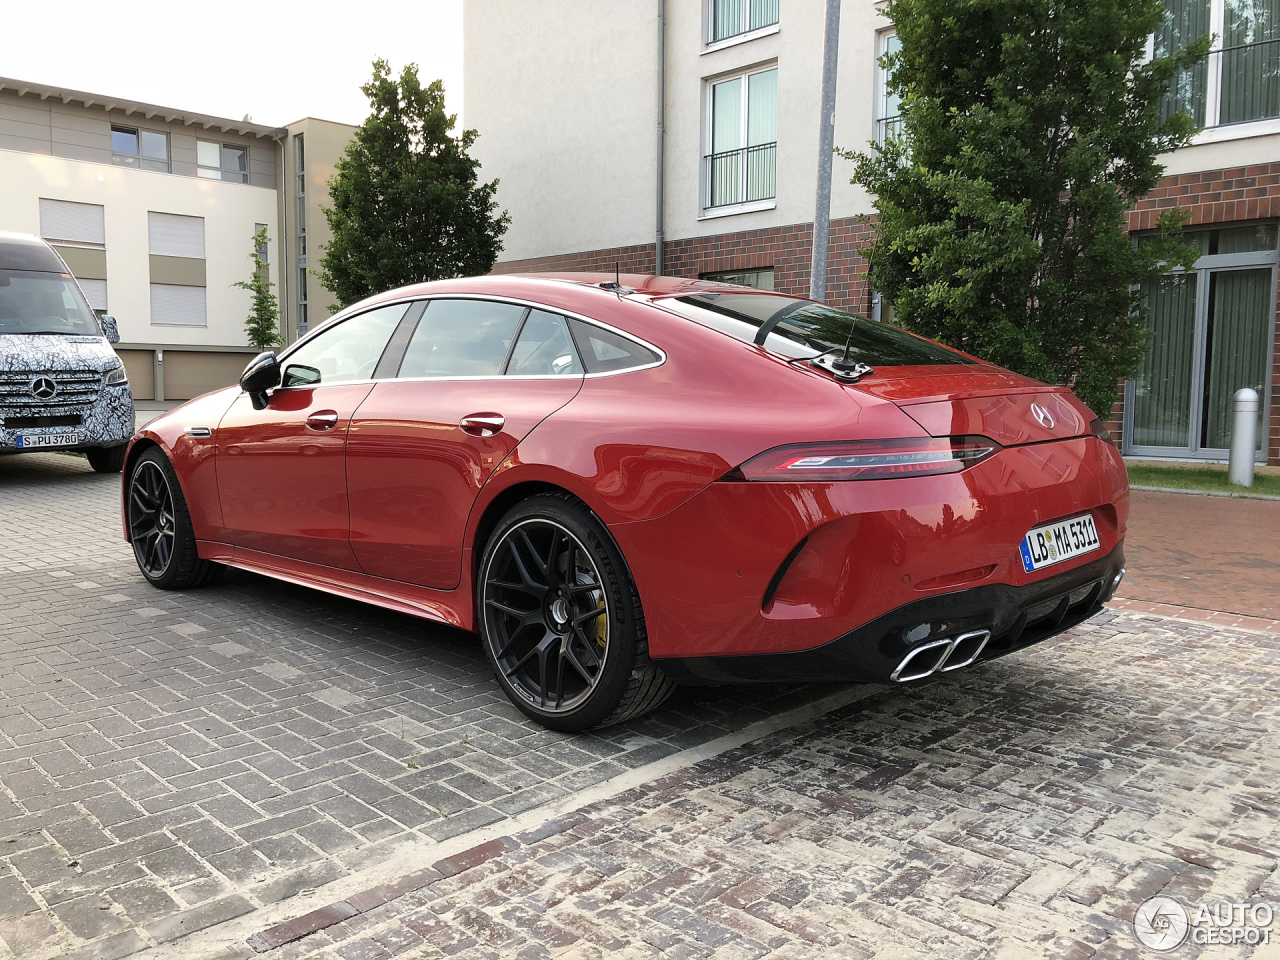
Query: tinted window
x=461 y=338
x=37 y=302
x=544 y=348
x=347 y=351
x=802 y=328
x=603 y=351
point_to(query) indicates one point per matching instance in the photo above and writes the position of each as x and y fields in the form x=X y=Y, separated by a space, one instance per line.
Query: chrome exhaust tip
x=922 y=661
x=966 y=649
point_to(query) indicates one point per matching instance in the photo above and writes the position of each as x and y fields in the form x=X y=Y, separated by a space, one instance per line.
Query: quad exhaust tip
x=941 y=656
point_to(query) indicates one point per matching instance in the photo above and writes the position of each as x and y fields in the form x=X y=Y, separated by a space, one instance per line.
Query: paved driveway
x=170 y=760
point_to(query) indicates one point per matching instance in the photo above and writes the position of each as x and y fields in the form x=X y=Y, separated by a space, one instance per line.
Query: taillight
x=1099 y=430
x=866 y=459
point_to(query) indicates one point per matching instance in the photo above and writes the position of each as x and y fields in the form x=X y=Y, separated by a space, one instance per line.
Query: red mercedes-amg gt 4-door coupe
x=625 y=485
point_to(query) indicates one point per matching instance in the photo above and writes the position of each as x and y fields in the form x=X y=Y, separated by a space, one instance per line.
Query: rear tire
x=107 y=459
x=560 y=619
x=164 y=542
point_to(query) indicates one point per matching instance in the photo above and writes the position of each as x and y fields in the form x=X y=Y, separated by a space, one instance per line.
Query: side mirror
x=262 y=374
x=110 y=328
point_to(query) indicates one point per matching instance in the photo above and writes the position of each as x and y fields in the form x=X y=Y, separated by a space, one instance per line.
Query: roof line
x=148 y=110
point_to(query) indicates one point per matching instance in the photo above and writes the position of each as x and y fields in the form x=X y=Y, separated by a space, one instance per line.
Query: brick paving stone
x=1019 y=811
x=239 y=743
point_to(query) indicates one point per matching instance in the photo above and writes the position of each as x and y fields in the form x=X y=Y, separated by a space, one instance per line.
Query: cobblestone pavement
x=172 y=760
x=1020 y=811
x=1215 y=553
x=172 y=763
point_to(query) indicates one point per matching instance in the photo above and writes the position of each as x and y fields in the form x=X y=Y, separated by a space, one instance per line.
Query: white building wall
x=564 y=97
x=230 y=211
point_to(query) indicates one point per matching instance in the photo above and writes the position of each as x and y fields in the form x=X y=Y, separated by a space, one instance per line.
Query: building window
x=1240 y=80
x=1211 y=334
x=144 y=149
x=742 y=135
x=888 y=106
x=300 y=188
x=178 y=269
x=761 y=278
x=261 y=248
x=222 y=161
x=732 y=18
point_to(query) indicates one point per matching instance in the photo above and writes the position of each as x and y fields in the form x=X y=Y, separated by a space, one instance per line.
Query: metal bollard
x=1244 y=438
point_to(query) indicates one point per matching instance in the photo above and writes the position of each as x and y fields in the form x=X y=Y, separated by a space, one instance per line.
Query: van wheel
x=107 y=459
x=561 y=619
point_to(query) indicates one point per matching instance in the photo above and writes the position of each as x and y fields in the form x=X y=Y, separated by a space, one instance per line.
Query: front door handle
x=482 y=424
x=322 y=420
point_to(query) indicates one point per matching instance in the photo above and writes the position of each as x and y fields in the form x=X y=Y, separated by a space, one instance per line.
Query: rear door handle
x=482 y=424
x=322 y=420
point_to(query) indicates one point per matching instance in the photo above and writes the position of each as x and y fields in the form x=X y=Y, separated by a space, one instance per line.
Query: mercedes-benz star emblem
x=1043 y=416
x=42 y=388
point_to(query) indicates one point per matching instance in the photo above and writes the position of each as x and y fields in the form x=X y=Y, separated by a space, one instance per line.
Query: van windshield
x=36 y=302
x=802 y=329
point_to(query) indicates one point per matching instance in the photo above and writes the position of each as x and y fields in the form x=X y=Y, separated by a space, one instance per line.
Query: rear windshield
x=33 y=301
x=800 y=329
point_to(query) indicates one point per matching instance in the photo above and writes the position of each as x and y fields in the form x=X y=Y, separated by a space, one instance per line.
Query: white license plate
x=1055 y=542
x=48 y=440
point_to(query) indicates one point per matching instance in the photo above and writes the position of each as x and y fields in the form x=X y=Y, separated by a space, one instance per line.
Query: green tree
x=407 y=202
x=263 y=323
x=1029 y=126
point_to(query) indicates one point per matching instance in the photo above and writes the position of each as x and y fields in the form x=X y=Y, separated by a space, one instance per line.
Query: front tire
x=107 y=459
x=561 y=621
x=164 y=542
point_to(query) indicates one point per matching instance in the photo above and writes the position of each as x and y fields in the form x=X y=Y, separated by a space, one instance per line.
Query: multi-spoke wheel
x=164 y=543
x=561 y=620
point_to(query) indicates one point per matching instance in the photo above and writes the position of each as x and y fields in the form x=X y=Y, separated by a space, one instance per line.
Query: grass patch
x=1199 y=478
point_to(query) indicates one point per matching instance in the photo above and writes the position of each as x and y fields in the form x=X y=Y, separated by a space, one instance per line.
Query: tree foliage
x=1029 y=126
x=407 y=202
x=262 y=326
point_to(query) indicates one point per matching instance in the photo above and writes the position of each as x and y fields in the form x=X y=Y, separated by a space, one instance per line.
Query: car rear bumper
x=919 y=639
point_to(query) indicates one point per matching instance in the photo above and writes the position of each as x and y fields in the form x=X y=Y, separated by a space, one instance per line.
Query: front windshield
x=34 y=301
x=801 y=329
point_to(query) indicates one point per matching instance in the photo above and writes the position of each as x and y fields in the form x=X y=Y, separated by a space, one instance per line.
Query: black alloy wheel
x=151 y=525
x=160 y=530
x=561 y=620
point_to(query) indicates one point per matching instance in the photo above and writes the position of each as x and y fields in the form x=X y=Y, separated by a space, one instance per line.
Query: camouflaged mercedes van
x=62 y=387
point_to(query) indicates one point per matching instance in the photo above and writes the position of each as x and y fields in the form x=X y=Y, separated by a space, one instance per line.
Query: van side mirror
x=262 y=374
x=110 y=328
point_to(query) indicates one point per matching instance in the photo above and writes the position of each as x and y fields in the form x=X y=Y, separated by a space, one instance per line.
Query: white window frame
x=1214 y=131
x=881 y=86
x=708 y=129
x=710 y=44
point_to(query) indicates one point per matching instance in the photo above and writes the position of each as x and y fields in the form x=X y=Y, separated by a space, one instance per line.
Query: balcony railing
x=739 y=176
x=888 y=128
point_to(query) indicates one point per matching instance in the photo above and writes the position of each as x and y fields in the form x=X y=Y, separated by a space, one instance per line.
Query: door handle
x=322 y=420
x=482 y=424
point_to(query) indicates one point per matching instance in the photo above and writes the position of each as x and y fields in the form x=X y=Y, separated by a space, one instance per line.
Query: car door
x=477 y=376
x=281 y=470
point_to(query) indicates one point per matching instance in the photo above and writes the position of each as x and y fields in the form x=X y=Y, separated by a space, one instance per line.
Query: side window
x=461 y=338
x=604 y=351
x=347 y=351
x=544 y=348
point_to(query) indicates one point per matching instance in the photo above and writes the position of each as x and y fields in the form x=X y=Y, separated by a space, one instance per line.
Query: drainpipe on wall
x=826 y=148
x=659 y=251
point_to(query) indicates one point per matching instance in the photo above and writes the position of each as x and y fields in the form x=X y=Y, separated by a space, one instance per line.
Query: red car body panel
x=413 y=473
x=651 y=452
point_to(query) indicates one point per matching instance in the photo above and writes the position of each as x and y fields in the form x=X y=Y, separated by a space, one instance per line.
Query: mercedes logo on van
x=42 y=388
x=1043 y=416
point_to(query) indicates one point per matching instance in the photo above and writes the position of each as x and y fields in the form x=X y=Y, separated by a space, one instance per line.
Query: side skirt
x=450 y=607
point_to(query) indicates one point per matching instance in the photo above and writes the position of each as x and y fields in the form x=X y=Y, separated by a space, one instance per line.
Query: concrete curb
x=1206 y=493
